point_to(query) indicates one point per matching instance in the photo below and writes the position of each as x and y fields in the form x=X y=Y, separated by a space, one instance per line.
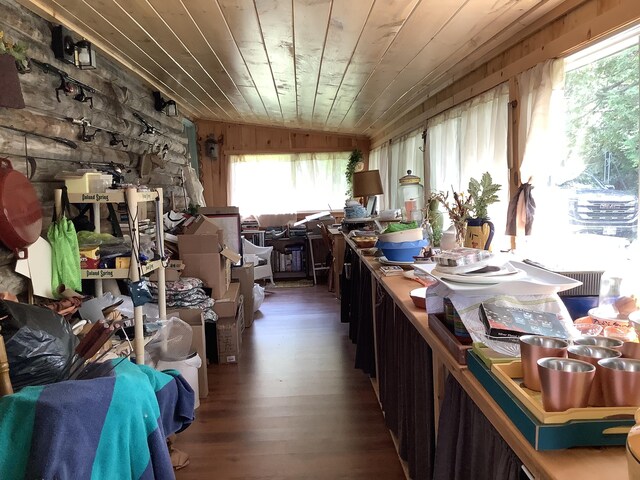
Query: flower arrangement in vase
x=468 y=211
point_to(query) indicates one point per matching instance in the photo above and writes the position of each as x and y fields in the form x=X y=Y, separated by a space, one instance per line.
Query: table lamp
x=367 y=184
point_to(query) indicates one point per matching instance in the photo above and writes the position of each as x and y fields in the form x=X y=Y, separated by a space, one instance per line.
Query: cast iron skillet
x=20 y=210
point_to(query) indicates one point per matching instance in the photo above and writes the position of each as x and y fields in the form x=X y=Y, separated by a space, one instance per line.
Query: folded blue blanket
x=104 y=428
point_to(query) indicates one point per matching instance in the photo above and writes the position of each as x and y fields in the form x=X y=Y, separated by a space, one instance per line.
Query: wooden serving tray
x=490 y=356
x=510 y=374
x=448 y=339
x=548 y=436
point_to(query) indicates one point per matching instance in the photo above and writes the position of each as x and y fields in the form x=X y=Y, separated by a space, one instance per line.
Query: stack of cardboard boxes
x=204 y=256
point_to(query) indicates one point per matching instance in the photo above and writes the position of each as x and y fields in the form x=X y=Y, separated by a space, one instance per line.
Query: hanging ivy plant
x=354 y=159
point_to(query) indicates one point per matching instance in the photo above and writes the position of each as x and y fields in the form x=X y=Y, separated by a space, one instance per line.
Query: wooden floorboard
x=294 y=407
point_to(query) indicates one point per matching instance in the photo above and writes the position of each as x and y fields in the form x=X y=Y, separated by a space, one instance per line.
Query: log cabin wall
x=119 y=95
x=242 y=139
x=562 y=31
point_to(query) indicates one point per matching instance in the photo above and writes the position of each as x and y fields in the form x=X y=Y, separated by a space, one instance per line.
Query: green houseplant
x=17 y=50
x=479 y=231
x=354 y=159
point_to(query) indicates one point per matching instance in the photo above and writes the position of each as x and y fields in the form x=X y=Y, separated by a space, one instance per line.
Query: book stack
x=390 y=270
x=513 y=322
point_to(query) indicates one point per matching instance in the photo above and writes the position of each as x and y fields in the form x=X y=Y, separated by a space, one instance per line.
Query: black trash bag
x=39 y=343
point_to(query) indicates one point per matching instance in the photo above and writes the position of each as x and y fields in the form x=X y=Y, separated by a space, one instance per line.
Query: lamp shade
x=367 y=183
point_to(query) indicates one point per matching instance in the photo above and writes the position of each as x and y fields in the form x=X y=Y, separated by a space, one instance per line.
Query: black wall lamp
x=169 y=107
x=81 y=54
x=212 y=147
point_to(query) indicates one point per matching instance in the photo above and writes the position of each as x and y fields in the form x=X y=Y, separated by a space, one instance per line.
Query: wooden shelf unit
x=280 y=246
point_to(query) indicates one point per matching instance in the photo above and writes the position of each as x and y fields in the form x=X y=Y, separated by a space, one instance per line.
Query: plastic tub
x=188 y=368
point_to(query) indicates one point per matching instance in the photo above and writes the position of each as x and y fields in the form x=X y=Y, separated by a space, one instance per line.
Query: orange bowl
x=418 y=296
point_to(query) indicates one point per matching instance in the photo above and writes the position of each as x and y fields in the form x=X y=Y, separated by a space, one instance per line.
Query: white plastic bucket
x=188 y=368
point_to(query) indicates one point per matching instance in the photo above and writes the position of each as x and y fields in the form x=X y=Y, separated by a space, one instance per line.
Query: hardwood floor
x=294 y=407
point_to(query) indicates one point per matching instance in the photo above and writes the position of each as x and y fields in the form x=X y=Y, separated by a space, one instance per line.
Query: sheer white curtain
x=468 y=140
x=406 y=154
x=541 y=128
x=285 y=183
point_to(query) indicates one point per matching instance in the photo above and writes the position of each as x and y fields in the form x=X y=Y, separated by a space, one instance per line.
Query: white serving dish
x=535 y=281
x=411 y=235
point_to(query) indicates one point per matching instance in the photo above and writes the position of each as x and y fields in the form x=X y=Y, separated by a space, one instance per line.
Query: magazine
x=513 y=322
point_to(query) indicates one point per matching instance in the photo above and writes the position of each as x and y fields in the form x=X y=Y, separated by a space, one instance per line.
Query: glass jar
x=411 y=196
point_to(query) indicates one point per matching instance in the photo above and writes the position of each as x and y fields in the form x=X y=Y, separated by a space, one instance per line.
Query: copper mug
x=565 y=382
x=599 y=341
x=631 y=350
x=620 y=381
x=533 y=348
x=591 y=354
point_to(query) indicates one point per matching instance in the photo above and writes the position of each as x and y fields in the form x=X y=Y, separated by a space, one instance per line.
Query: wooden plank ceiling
x=348 y=66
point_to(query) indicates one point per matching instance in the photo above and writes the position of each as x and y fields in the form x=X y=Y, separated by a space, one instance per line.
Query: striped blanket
x=108 y=427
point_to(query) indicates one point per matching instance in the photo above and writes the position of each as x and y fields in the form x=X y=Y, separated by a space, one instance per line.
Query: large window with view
x=586 y=185
x=288 y=183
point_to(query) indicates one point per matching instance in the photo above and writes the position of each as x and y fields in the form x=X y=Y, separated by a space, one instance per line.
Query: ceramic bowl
x=401 y=251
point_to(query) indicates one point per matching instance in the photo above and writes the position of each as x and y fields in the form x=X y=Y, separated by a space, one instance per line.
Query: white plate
x=536 y=281
x=481 y=279
x=383 y=260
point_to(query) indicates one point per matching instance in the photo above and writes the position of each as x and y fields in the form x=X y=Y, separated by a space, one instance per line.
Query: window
x=586 y=188
x=288 y=183
x=468 y=140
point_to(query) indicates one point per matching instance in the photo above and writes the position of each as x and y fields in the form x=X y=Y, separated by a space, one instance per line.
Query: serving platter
x=506 y=274
x=383 y=260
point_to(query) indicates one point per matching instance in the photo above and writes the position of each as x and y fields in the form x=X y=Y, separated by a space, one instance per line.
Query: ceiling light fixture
x=169 y=107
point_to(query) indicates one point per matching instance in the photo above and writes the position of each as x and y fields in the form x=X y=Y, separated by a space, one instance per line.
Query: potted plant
x=480 y=230
x=13 y=58
x=354 y=159
x=458 y=211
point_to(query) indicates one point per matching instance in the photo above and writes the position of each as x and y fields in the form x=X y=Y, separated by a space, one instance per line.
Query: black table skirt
x=469 y=447
x=405 y=379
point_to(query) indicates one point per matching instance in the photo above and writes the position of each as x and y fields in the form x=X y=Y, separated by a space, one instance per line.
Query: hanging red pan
x=20 y=210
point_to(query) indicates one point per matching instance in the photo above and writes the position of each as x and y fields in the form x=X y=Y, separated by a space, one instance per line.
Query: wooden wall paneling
x=346 y=26
x=445 y=50
x=425 y=18
x=279 y=45
x=586 y=23
x=310 y=26
x=140 y=52
x=204 y=13
x=384 y=22
x=174 y=14
x=158 y=30
x=257 y=139
x=119 y=95
x=242 y=21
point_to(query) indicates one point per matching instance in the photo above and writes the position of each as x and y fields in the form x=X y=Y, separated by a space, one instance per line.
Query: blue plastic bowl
x=401 y=251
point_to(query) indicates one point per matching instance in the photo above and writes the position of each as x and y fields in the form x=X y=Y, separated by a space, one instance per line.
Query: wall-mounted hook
x=115 y=141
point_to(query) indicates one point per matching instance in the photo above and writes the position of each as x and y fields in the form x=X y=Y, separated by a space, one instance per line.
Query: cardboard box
x=227 y=306
x=205 y=257
x=172 y=272
x=218 y=210
x=244 y=275
x=193 y=316
x=229 y=336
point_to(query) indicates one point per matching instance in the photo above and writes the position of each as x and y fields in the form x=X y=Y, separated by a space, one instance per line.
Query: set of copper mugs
x=591 y=372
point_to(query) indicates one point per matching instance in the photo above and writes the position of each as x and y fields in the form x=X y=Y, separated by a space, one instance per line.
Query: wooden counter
x=570 y=464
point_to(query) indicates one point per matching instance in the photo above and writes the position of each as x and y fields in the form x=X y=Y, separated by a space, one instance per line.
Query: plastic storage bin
x=188 y=368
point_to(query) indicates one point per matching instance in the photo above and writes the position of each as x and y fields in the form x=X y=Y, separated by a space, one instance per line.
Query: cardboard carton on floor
x=172 y=272
x=227 y=306
x=229 y=337
x=205 y=257
x=193 y=316
x=244 y=275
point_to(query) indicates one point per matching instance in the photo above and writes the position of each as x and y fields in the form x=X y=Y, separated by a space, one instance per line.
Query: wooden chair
x=328 y=241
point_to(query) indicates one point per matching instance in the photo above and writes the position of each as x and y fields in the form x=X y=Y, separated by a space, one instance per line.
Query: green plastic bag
x=65 y=254
x=398 y=227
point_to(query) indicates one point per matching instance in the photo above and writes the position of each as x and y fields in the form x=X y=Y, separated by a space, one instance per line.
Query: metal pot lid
x=409 y=179
x=20 y=210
